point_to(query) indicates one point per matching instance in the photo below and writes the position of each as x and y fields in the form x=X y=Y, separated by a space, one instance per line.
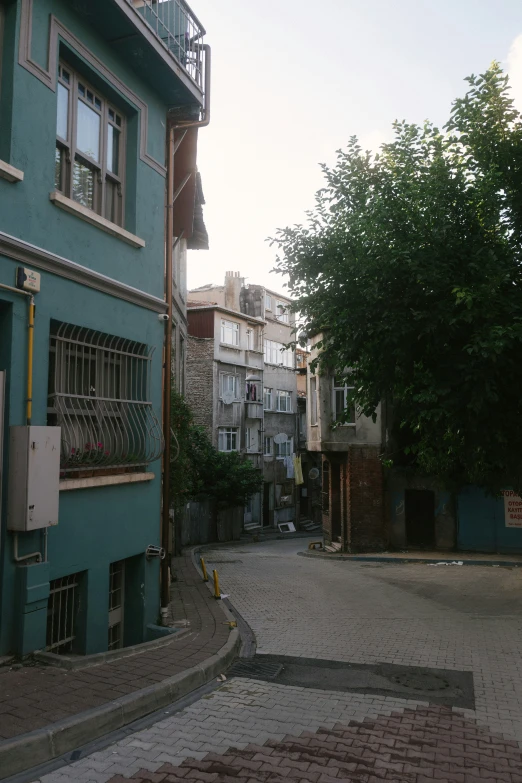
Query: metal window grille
x=116 y=599
x=179 y=29
x=62 y=612
x=99 y=394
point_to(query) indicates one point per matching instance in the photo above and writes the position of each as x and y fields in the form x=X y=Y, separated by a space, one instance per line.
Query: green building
x=90 y=94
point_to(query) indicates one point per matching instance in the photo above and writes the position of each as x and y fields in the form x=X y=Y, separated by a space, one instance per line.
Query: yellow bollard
x=204 y=569
x=217 y=594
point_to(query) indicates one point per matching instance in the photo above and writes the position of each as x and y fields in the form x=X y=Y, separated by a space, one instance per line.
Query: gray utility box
x=34 y=478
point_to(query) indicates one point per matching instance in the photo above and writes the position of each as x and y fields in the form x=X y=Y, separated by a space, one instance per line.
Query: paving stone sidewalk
x=35 y=696
x=248 y=730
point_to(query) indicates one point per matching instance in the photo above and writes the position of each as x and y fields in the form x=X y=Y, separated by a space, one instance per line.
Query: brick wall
x=200 y=380
x=364 y=495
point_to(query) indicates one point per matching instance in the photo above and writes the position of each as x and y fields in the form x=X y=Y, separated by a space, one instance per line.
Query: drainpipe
x=167 y=371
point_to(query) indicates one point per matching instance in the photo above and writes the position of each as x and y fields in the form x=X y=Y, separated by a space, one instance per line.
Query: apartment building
x=242 y=385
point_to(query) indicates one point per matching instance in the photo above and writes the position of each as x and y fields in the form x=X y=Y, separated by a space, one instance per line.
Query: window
x=276 y=353
x=62 y=614
x=227 y=439
x=229 y=332
x=116 y=587
x=285 y=449
x=251 y=440
x=313 y=400
x=99 y=394
x=267 y=399
x=282 y=312
x=250 y=339
x=284 y=401
x=229 y=384
x=90 y=145
x=268 y=449
x=268 y=302
x=340 y=402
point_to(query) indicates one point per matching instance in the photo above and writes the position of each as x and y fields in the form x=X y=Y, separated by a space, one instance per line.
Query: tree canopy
x=197 y=468
x=409 y=266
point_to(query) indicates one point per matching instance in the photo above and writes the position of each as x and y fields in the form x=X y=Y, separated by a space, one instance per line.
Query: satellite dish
x=228 y=397
x=281 y=437
x=314 y=473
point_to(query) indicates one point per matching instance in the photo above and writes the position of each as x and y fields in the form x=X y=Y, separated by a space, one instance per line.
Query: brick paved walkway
x=467 y=619
x=34 y=696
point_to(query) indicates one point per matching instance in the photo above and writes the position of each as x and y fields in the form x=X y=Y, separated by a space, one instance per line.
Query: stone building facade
x=353 y=515
x=249 y=327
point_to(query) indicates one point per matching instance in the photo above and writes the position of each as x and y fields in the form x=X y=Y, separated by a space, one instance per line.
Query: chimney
x=233 y=285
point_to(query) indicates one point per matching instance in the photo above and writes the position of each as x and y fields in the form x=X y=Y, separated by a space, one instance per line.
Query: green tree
x=197 y=468
x=410 y=267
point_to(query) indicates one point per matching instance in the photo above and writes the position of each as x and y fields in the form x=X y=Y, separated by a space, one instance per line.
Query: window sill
x=232 y=347
x=96 y=220
x=9 y=172
x=104 y=481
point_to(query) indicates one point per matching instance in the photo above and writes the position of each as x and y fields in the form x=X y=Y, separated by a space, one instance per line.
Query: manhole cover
x=420 y=681
x=255 y=669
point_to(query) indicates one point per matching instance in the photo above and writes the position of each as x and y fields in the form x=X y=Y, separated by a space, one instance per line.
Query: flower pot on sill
x=85 y=473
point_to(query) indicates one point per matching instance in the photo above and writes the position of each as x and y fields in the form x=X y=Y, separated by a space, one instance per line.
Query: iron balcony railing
x=179 y=30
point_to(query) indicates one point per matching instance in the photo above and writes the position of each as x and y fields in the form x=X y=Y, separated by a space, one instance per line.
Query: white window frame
x=288 y=448
x=283 y=394
x=337 y=414
x=313 y=401
x=276 y=353
x=229 y=332
x=268 y=393
x=250 y=339
x=228 y=436
x=282 y=312
x=224 y=381
x=268 y=446
x=268 y=302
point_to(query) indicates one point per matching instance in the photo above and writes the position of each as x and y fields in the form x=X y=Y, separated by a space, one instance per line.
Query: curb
x=422 y=560
x=43 y=745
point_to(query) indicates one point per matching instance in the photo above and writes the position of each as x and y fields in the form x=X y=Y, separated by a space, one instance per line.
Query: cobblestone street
x=463 y=619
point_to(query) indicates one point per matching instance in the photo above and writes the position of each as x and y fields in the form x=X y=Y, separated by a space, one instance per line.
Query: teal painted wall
x=28 y=212
x=97 y=526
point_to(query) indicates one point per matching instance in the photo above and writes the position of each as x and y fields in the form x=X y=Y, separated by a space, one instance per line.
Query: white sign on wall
x=512 y=508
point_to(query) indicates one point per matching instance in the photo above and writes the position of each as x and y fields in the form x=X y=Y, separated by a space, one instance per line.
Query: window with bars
x=284 y=401
x=90 y=145
x=343 y=410
x=116 y=603
x=62 y=614
x=229 y=332
x=228 y=439
x=229 y=385
x=99 y=394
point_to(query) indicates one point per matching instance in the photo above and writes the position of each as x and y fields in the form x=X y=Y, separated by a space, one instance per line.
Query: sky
x=293 y=80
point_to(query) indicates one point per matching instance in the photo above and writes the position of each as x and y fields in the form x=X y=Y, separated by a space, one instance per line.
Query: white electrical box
x=34 y=478
x=28 y=279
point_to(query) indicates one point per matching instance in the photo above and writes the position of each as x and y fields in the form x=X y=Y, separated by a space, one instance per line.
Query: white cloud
x=514 y=61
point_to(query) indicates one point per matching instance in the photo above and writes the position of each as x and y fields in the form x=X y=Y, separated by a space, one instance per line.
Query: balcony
x=254 y=410
x=179 y=30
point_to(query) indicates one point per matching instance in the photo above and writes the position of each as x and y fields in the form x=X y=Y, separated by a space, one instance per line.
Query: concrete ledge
x=9 y=172
x=423 y=560
x=71 y=206
x=37 y=747
x=86 y=661
x=104 y=481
